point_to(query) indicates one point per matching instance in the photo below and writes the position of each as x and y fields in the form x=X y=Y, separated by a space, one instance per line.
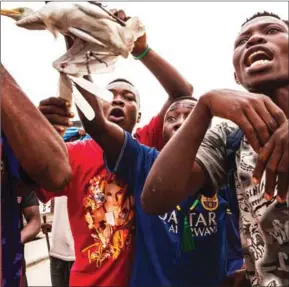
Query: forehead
x=259 y=21
x=188 y=104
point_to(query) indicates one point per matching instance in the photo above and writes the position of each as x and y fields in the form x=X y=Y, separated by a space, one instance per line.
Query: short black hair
x=262 y=14
x=121 y=80
x=184 y=98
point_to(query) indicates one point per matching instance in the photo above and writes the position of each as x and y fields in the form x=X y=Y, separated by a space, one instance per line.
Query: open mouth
x=258 y=58
x=116 y=115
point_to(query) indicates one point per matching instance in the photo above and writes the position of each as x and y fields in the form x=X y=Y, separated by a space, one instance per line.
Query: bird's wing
x=32 y=22
x=98 y=11
x=76 y=48
x=85 y=36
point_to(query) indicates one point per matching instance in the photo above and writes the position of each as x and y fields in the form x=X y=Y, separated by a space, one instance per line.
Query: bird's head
x=17 y=13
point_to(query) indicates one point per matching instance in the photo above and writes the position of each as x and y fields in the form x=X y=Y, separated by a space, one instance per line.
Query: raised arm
x=172 y=81
x=108 y=135
x=176 y=173
x=27 y=130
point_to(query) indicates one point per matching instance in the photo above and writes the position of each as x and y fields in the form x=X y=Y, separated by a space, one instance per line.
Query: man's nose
x=255 y=40
x=118 y=101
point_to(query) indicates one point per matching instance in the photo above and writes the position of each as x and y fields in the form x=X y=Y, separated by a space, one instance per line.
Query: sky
x=195 y=37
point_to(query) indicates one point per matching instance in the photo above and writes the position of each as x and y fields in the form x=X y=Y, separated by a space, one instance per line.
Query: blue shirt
x=10 y=219
x=159 y=260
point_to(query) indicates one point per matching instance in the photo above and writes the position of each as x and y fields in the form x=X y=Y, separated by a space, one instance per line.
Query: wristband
x=143 y=54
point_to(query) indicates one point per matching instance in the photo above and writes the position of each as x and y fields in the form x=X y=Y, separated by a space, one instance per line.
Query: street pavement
x=37 y=261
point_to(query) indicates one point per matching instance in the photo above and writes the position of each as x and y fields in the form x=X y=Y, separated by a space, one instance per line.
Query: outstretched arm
x=176 y=173
x=27 y=130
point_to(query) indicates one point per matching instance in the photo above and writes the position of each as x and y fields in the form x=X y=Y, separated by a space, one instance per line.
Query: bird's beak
x=9 y=13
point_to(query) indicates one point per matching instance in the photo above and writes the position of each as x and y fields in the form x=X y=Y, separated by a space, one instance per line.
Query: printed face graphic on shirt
x=109 y=213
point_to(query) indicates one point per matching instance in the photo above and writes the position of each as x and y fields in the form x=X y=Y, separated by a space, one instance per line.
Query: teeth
x=259 y=63
x=251 y=57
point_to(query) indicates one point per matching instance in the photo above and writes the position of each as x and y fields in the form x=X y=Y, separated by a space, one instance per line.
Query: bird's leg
x=87 y=62
x=92 y=54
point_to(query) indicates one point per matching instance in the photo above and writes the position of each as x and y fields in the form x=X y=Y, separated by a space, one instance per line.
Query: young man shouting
x=194 y=159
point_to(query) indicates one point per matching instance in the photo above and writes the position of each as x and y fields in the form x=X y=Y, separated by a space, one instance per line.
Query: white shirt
x=62 y=244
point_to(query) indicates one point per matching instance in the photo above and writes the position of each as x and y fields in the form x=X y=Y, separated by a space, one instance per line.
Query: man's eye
x=241 y=42
x=171 y=119
x=272 y=31
x=129 y=97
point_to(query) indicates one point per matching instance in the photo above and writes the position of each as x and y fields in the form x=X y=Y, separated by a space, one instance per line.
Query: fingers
x=121 y=15
x=271 y=172
x=59 y=120
x=274 y=159
x=55 y=102
x=56 y=110
x=259 y=125
x=249 y=131
x=263 y=158
x=271 y=122
x=283 y=178
x=275 y=111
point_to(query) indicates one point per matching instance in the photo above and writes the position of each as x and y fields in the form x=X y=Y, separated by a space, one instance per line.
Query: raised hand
x=255 y=114
x=57 y=112
x=141 y=43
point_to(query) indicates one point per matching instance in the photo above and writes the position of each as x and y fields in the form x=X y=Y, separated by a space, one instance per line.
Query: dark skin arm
x=108 y=135
x=176 y=174
x=47 y=164
x=32 y=228
x=171 y=80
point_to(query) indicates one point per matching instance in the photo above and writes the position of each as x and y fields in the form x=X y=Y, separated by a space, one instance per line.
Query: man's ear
x=236 y=79
x=138 y=117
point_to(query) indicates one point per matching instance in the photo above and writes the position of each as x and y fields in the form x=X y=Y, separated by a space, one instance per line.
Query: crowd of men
x=175 y=203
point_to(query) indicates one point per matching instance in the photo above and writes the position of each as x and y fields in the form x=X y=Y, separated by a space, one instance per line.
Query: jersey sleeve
x=212 y=153
x=151 y=134
x=134 y=162
x=29 y=200
x=75 y=151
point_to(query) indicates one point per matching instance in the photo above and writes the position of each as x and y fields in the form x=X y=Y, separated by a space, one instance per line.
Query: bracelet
x=143 y=54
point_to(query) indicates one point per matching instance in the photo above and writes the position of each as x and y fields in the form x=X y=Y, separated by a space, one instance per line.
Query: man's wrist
x=140 y=55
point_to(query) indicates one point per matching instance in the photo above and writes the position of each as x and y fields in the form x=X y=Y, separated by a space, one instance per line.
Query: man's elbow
x=60 y=178
x=150 y=204
x=54 y=179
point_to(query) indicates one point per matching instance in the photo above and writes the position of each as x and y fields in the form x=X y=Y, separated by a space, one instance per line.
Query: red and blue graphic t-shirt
x=101 y=213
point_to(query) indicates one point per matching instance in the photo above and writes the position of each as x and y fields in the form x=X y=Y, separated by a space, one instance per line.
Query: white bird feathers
x=99 y=39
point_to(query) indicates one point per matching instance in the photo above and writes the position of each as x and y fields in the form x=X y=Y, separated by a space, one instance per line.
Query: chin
x=259 y=83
